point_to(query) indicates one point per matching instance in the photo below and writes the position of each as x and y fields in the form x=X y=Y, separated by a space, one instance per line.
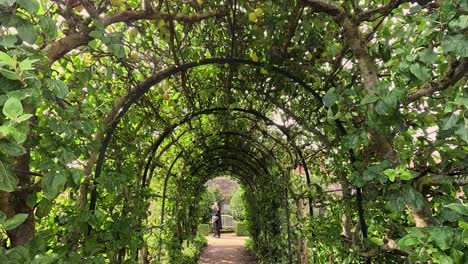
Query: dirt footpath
x=227 y=249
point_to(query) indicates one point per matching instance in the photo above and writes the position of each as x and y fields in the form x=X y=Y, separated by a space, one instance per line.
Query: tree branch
x=58 y=48
x=89 y=8
x=383 y=10
x=458 y=70
x=325 y=6
x=128 y=16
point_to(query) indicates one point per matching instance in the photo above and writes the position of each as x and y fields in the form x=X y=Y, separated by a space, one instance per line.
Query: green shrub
x=242 y=229
x=204 y=229
x=208 y=198
x=237 y=205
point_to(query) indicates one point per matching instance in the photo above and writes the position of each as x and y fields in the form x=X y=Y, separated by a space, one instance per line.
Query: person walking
x=216 y=220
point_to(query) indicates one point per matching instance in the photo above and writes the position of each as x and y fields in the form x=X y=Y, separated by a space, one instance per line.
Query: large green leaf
x=15 y=221
x=441 y=258
x=459 y=208
x=462 y=130
x=27 y=32
x=5 y=59
x=52 y=183
x=12 y=149
x=369 y=99
x=32 y=6
x=413 y=198
x=442 y=236
x=409 y=240
x=9 y=74
x=330 y=97
x=8 y=180
x=428 y=56
x=458 y=45
x=8 y=41
x=421 y=72
x=60 y=88
x=48 y=26
x=451 y=121
x=12 y=108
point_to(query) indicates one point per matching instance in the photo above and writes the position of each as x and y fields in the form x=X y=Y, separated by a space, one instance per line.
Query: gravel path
x=227 y=249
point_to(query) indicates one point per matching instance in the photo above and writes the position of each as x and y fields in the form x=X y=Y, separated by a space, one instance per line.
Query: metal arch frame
x=258 y=145
x=146 y=85
x=191 y=116
x=245 y=136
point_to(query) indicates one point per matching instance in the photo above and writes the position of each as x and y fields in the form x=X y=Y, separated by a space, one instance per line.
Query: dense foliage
x=115 y=113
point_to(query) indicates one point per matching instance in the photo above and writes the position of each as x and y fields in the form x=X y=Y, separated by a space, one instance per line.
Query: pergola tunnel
x=238 y=141
x=342 y=123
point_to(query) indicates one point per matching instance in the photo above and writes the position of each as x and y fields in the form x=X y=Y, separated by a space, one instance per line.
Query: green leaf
x=60 y=88
x=442 y=258
x=12 y=149
x=462 y=130
x=406 y=175
x=52 y=183
x=118 y=50
x=27 y=65
x=397 y=202
x=459 y=208
x=12 y=108
x=32 y=6
x=23 y=118
x=421 y=72
x=391 y=174
x=369 y=99
x=451 y=121
x=8 y=180
x=412 y=197
x=381 y=108
x=464 y=236
x=456 y=255
x=330 y=97
x=6 y=59
x=19 y=136
x=458 y=45
x=377 y=241
x=48 y=26
x=9 y=74
x=15 y=221
x=428 y=56
x=409 y=240
x=460 y=23
x=391 y=101
x=27 y=32
x=442 y=236
x=43 y=208
x=31 y=200
x=7 y=3
x=8 y=41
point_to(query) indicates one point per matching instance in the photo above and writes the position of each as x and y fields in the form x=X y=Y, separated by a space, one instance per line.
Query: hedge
x=242 y=229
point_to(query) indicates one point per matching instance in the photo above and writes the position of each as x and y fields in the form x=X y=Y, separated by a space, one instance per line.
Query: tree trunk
x=15 y=203
x=143 y=255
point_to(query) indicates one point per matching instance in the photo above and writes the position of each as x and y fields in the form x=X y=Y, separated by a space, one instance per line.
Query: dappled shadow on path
x=228 y=249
